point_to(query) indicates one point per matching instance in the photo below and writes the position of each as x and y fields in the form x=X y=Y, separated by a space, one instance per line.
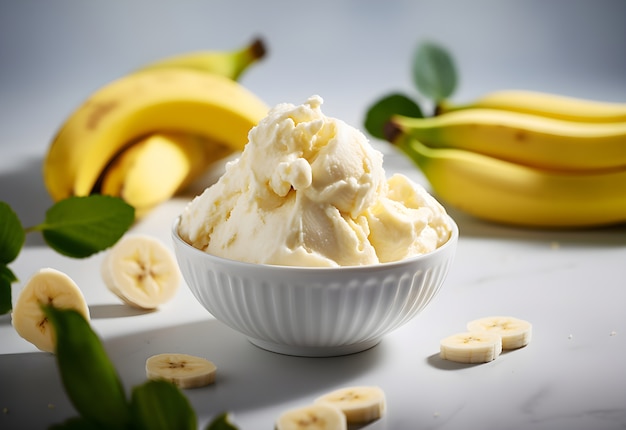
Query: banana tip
x=258 y=48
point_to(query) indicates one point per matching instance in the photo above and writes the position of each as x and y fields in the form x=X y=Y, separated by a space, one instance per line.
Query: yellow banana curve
x=136 y=105
x=521 y=138
x=546 y=104
x=508 y=193
x=138 y=176
x=231 y=64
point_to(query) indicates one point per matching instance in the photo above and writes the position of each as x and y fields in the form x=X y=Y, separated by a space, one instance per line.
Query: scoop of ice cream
x=406 y=221
x=309 y=190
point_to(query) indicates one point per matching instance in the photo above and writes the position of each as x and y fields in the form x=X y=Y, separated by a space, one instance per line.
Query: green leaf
x=378 y=114
x=221 y=422
x=81 y=226
x=90 y=379
x=434 y=72
x=12 y=235
x=5 y=290
x=7 y=274
x=160 y=405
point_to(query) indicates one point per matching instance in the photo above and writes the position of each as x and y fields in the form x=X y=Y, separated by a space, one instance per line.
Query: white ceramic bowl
x=315 y=312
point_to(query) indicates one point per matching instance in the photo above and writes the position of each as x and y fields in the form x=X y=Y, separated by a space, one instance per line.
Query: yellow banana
x=510 y=193
x=139 y=104
x=546 y=104
x=156 y=167
x=230 y=64
x=526 y=139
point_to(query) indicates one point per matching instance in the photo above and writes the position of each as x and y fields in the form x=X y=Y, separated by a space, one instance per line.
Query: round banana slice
x=471 y=347
x=515 y=332
x=142 y=271
x=50 y=287
x=358 y=404
x=185 y=371
x=314 y=417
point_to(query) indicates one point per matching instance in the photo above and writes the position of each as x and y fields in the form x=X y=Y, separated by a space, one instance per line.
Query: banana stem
x=439 y=109
x=392 y=131
x=258 y=49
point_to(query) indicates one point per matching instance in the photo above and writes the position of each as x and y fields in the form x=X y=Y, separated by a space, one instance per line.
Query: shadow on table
x=472 y=227
x=248 y=377
x=31 y=393
x=116 y=311
x=435 y=361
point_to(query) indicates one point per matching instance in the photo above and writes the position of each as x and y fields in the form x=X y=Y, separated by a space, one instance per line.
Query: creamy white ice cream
x=309 y=190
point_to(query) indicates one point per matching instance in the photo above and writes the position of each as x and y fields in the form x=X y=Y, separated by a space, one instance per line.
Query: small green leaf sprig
x=435 y=78
x=96 y=391
x=76 y=227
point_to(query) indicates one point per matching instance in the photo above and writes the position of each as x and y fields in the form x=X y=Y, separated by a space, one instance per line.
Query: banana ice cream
x=310 y=190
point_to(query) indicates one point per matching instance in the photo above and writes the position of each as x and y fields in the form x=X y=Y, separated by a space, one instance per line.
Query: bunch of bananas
x=523 y=158
x=150 y=133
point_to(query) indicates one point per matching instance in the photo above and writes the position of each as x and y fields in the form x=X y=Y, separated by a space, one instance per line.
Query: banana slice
x=46 y=286
x=321 y=416
x=142 y=271
x=471 y=347
x=358 y=404
x=515 y=332
x=185 y=371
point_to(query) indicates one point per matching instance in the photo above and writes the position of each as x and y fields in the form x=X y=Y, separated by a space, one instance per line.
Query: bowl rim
x=450 y=243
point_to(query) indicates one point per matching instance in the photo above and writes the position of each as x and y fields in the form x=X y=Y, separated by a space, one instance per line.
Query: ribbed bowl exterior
x=314 y=311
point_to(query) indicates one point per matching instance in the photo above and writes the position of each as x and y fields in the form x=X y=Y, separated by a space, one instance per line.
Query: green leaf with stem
x=378 y=114
x=434 y=72
x=90 y=379
x=81 y=226
x=160 y=405
x=12 y=234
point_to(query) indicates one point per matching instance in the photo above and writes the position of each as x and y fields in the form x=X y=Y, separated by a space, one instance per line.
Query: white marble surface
x=570 y=284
